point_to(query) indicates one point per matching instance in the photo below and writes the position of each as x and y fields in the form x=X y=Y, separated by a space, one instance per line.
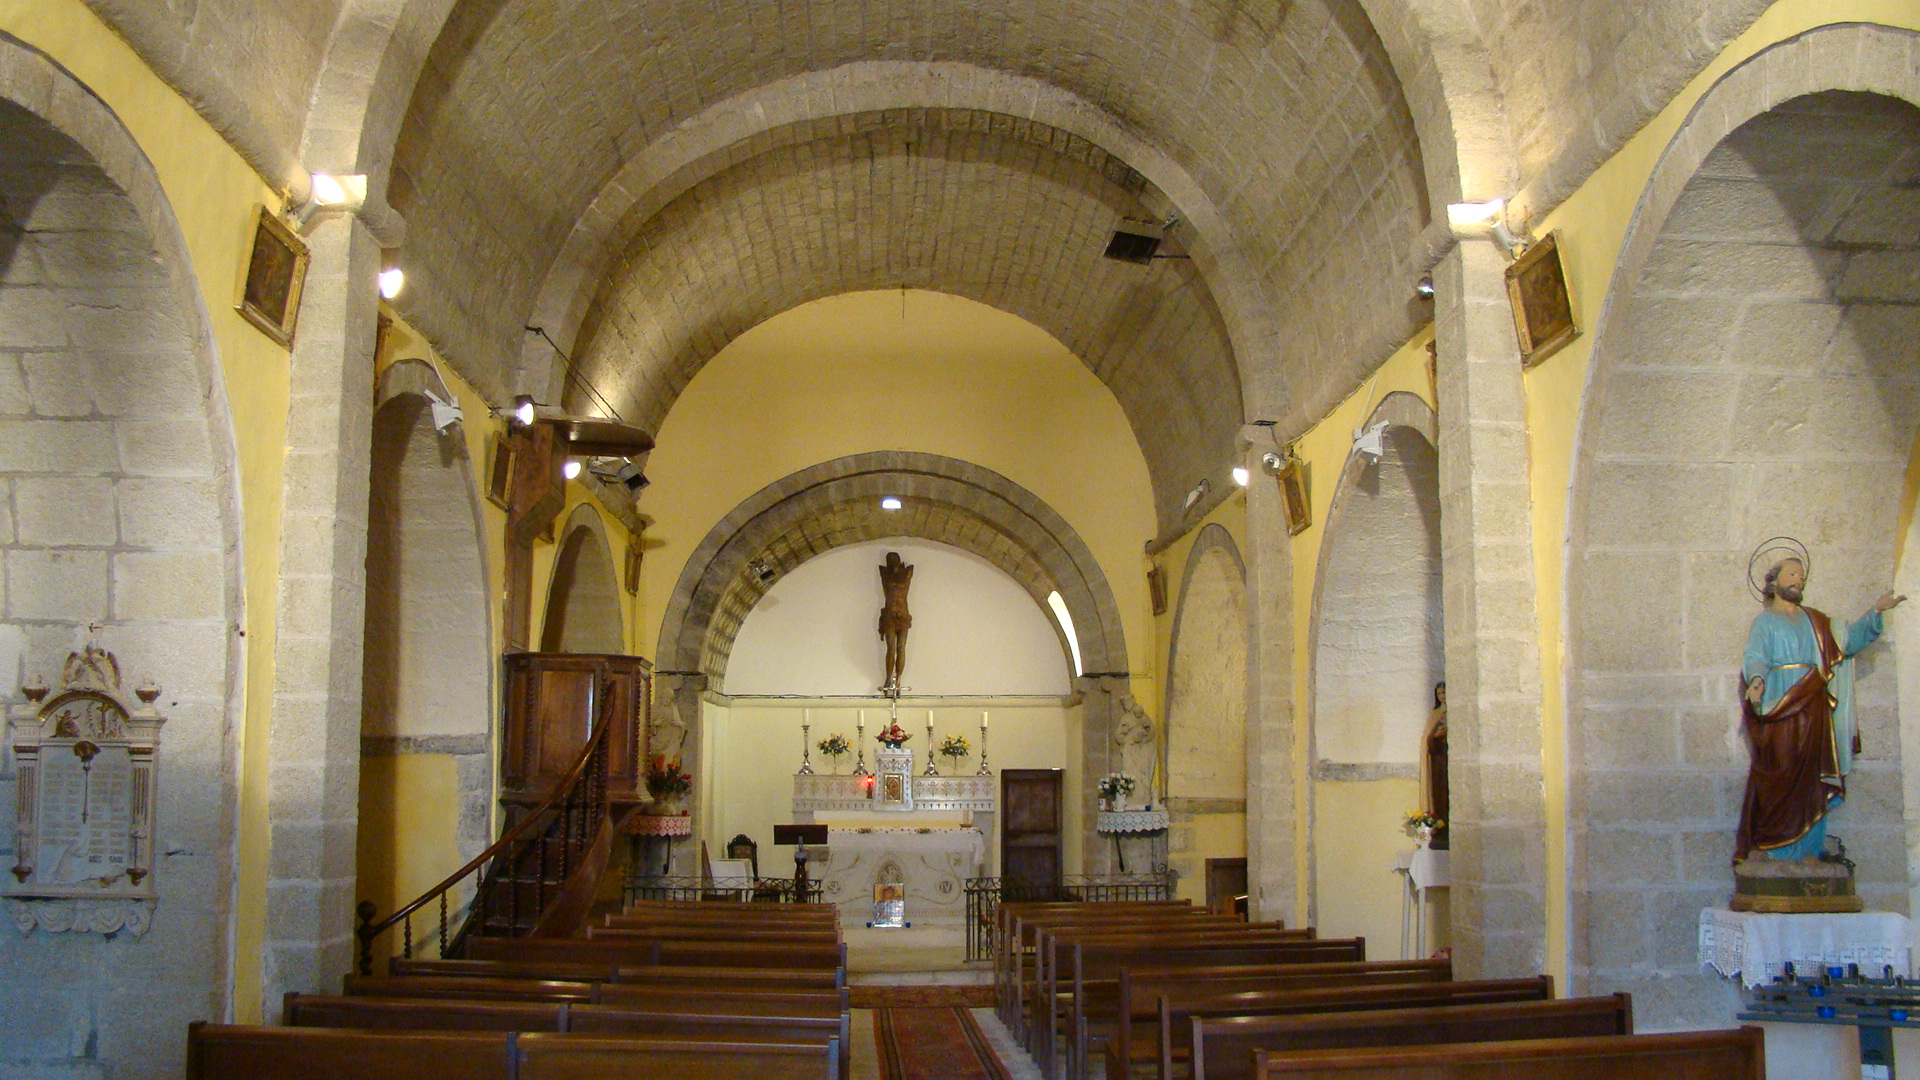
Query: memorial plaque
x=84 y=800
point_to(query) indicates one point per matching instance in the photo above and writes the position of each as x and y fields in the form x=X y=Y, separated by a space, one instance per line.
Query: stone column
x=1492 y=630
x=1272 y=814
x=1099 y=703
x=314 y=736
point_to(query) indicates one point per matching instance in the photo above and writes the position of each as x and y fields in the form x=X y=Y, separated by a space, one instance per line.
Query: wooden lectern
x=799 y=836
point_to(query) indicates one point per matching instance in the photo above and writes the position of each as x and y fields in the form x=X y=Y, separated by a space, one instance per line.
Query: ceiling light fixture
x=328 y=194
x=1241 y=475
x=571 y=470
x=1484 y=220
x=890 y=503
x=392 y=280
x=523 y=410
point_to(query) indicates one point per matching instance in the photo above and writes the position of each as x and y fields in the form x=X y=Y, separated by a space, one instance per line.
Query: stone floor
x=912 y=956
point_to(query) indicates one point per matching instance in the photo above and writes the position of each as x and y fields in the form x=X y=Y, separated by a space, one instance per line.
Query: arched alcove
x=426 y=692
x=1376 y=653
x=583 y=603
x=1754 y=375
x=120 y=528
x=1204 y=772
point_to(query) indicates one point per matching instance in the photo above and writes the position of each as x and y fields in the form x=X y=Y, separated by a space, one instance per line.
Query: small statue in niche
x=1796 y=706
x=1133 y=734
x=895 y=576
x=1433 y=766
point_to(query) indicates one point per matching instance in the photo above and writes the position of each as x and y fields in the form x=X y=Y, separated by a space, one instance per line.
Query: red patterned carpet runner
x=934 y=1044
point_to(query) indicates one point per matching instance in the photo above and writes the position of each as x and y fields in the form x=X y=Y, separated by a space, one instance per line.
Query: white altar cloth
x=1756 y=947
x=933 y=863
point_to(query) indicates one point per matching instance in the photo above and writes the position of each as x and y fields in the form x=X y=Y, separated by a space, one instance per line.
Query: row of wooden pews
x=1165 y=990
x=697 y=991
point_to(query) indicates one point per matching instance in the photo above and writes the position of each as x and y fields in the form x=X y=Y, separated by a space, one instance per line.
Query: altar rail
x=739 y=889
x=986 y=894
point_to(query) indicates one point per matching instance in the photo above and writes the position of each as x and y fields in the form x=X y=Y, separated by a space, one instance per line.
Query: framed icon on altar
x=889 y=904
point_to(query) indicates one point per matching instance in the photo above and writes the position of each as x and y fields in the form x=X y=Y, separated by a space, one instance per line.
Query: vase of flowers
x=669 y=785
x=955 y=747
x=1421 y=826
x=893 y=736
x=1114 y=789
x=835 y=746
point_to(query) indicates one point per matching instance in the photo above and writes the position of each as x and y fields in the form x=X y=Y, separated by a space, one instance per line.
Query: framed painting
x=632 y=577
x=1542 y=310
x=276 y=272
x=1293 y=493
x=500 y=472
x=1157 y=589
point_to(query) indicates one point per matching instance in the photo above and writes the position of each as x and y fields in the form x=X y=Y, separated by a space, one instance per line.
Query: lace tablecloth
x=1131 y=821
x=1757 y=947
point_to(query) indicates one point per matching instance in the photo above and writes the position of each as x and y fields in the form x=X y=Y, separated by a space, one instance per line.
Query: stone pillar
x=1492 y=630
x=1272 y=814
x=314 y=736
x=1100 y=697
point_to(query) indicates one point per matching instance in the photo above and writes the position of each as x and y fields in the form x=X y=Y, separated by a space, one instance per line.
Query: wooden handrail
x=368 y=930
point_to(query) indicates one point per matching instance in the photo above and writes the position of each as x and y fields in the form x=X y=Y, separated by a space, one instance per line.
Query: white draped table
x=933 y=863
x=1756 y=947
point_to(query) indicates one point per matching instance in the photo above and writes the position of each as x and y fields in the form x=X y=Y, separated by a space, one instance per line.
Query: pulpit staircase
x=537 y=880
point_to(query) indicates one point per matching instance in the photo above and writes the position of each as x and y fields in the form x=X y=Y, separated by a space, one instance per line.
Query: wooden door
x=1030 y=811
x=1226 y=880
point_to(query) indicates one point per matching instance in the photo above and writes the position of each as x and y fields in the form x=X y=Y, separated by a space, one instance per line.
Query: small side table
x=1425 y=870
x=1118 y=823
x=654 y=835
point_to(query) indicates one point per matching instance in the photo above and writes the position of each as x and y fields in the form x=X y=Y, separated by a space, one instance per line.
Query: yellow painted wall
x=409 y=814
x=1593 y=226
x=214 y=196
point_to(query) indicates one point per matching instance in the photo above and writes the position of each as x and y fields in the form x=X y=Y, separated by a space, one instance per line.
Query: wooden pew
x=1176 y=1021
x=454 y=987
x=1015 y=953
x=653 y=951
x=221 y=1052
x=826 y=935
x=542 y=1056
x=1135 y=1037
x=603 y=971
x=1738 y=1054
x=731 y=910
x=1087 y=976
x=1223 y=1047
x=715 y=1019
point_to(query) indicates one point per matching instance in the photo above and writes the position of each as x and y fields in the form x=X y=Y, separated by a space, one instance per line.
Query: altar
x=926 y=834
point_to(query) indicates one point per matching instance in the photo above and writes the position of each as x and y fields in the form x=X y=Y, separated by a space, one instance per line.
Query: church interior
x=482 y=469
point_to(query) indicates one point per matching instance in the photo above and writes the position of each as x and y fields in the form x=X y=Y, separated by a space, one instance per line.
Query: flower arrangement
x=666 y=779
x=1422 y=825
x=836 y=747
x=892 y=736
x=1114 y=785
x=955 y=747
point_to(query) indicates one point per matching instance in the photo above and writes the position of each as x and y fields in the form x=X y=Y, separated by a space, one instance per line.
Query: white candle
x=806 y=716
x=983 y=719
x=863 y=717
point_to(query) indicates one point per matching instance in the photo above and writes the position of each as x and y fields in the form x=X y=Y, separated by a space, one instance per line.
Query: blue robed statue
x=1798 y=710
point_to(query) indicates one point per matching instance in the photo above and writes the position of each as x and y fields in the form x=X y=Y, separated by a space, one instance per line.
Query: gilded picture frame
x=1543 y=316
x=276 y=275
x=500 y=472
x=1293 y=494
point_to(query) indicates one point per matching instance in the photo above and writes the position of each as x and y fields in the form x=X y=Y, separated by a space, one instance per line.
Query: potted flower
x=1114 y=789
x=893 y=736
x=669 y=785
x=955 y=747
x=836 y=747
x=1421 y=826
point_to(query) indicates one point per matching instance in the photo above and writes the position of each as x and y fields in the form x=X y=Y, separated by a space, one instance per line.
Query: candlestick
x=860 y=740
x=984 y=771
x=806 y=743
x=931 y=771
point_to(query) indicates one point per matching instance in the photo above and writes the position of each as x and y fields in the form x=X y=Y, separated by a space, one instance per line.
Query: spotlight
x=629 y=474
x=1271 y=463
x=571 y=469
x=327 y=194
x=523 y=410
x=1424 y=287
x=1484 y=219
x=890 y=503
x=392 y=280
x=1241 y=476
x=1199 y=492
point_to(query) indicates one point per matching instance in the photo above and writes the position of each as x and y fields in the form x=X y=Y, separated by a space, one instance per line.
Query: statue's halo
x=1772 y=550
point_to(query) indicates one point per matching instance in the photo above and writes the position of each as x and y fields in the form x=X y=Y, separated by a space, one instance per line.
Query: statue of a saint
x=1433 y=768
x=1797 y=704
x=895 y=576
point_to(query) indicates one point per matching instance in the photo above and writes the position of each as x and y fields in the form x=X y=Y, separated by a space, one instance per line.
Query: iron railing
x=738 y=889
x=520 y=875
x=986 y=894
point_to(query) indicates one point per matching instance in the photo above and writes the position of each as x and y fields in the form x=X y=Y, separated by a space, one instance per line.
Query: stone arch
x=1753 y=374
x=1204 y=749
x=795 y=517
x=428 y=680
x=1374 y=648
x=123 y=528
x=583 y=602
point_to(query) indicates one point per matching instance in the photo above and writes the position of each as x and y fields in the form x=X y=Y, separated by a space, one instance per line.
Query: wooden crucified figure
x=895 y=576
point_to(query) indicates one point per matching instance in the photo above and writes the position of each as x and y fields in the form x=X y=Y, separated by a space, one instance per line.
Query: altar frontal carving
x=84 y=760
